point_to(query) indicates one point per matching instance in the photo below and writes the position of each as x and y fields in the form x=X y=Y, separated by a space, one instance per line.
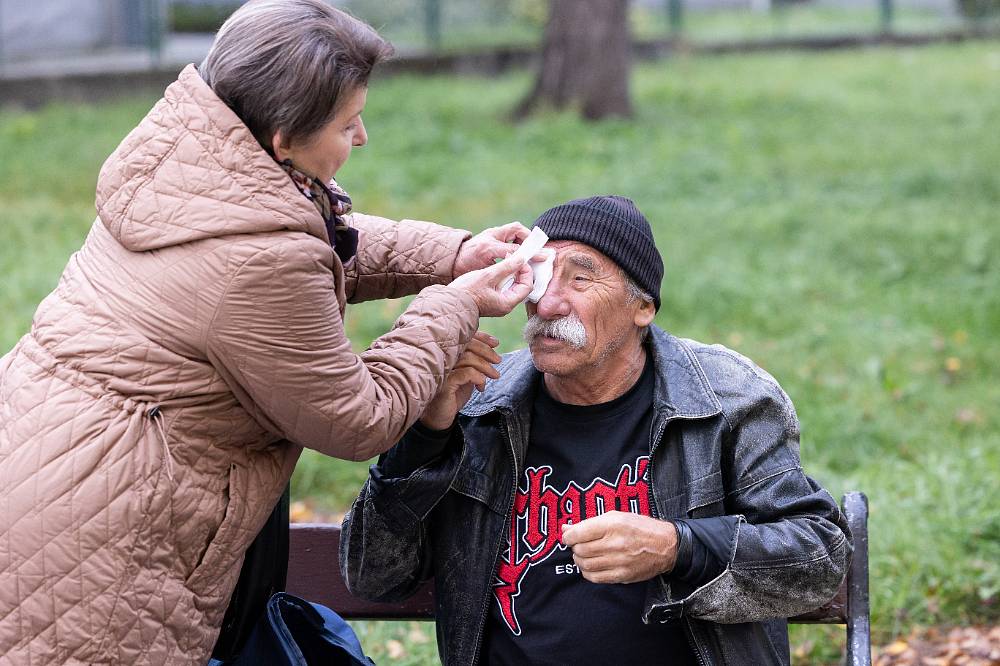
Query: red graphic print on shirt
x=540 y=511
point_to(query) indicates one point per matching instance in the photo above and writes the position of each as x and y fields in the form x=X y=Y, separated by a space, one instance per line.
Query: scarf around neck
x=333 y=205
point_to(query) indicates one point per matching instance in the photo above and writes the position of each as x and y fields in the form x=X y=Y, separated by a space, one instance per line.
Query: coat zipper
x=496 y=557
x=654 y=442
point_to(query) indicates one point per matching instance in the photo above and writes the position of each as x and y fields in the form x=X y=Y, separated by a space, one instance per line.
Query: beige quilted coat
x=153 y=415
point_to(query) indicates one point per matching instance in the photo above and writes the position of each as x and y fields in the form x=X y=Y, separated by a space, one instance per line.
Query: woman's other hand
x=487 y=246
x=472 y=370
x=486 y=286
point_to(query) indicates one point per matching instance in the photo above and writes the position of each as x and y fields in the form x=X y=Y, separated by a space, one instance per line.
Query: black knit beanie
x=613 y=225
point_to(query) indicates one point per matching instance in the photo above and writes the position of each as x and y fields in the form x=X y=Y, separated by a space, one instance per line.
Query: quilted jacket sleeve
x=278 y=340
x=399 y=258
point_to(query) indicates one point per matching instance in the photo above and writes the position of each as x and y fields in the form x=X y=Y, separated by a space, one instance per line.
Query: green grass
x=833 y=216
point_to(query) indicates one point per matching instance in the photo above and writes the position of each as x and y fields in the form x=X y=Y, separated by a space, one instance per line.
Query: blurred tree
x=978 y=10
x=586 y=59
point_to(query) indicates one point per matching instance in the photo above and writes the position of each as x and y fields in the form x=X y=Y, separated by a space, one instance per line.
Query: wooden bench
x=313 y=574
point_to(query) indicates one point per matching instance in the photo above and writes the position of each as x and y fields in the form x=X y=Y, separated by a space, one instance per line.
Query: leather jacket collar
x=682 y=389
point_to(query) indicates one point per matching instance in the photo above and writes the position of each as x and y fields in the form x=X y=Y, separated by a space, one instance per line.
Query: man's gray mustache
x=568 y=329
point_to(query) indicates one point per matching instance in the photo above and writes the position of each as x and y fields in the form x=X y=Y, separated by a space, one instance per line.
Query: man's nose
x=552 y=304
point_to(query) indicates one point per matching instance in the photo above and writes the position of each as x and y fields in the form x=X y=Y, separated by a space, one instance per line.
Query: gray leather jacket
x=723 y=455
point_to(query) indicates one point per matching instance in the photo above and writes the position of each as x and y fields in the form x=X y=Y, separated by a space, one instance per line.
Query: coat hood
x=192 y=170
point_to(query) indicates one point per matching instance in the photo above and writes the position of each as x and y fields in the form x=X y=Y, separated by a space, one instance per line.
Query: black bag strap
x=265 y=568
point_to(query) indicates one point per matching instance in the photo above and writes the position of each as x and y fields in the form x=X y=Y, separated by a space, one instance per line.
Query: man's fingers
x=482 y=358
x=586 y=530
x=482 y=350
x=606 y=577
x=483 y=336
x=467 y=375
x=594 y=564
x=589 y=548
x=479 y=364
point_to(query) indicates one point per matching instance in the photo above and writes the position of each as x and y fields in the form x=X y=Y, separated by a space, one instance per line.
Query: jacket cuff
x=410 y=479
x=419 y=446
x=682 y=563
x=674 y=593
x=703 y=549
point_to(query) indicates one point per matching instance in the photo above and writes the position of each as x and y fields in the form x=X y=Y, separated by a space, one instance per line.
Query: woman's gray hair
x=290 y=64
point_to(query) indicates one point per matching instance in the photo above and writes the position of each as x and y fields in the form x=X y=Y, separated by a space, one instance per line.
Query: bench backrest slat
x=314 y=574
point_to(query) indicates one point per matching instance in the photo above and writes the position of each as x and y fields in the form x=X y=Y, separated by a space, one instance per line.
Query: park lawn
x=832 y=216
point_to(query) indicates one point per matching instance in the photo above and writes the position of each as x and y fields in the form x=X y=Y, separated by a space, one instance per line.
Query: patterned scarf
x=333 y=204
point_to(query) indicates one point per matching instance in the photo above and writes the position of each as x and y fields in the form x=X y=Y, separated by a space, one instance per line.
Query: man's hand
x=473 y=367
x=487 y=246
x=619 y=547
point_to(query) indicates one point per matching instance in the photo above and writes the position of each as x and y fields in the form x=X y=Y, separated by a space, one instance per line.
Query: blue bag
x=295 y=632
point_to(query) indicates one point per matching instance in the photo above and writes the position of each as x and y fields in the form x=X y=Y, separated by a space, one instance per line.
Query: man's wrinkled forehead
x=581 y=255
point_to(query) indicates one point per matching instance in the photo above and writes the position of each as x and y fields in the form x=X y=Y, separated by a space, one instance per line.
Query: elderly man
x=612 y=495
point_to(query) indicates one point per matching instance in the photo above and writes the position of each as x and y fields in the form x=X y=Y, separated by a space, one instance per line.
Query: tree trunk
x=586 y=59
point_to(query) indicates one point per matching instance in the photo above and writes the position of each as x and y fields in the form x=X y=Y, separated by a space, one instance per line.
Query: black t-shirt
x=581 y=461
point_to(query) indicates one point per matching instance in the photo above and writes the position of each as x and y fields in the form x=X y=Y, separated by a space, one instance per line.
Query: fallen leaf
x=298 y=512
x=968 y=415
x=417 y=635
x=395 y=649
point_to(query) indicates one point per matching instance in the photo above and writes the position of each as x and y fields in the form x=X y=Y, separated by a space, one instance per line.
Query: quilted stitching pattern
x=206 y=288
x=395 y=259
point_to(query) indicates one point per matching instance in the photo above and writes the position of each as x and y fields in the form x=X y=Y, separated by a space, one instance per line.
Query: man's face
x=585 y=317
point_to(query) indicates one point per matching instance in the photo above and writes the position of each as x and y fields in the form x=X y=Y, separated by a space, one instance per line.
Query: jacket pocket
x=482 y=488
x=706 y=496
x=484 y=478
x=223 y=550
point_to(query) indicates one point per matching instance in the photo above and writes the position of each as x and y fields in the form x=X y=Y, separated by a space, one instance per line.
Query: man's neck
x=602 y=383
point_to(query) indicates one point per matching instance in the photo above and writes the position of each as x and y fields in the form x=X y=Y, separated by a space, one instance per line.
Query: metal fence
x=463 y=24
x=137 y=33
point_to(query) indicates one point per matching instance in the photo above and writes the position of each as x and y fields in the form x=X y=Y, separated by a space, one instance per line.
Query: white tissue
x=542 y=270
x=543 y=273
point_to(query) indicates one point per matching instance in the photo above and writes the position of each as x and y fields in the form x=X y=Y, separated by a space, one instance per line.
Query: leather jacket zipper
x=496 y=557
x=653 y=444
x=654 y=440
x=689 y=632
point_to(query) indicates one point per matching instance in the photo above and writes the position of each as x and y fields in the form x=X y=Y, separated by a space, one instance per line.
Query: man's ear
x=281 y=147
x=645 y=313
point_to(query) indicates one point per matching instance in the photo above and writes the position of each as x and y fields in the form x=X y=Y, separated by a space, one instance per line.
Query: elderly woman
x=153 y=415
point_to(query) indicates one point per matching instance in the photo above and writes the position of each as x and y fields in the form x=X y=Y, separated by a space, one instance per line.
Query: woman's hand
x=485 y=286
x=474 y=366
x=487 y=246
